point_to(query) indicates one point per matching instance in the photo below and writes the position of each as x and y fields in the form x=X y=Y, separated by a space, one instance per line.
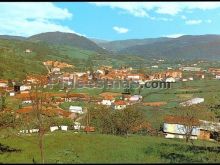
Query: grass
x=68 y=147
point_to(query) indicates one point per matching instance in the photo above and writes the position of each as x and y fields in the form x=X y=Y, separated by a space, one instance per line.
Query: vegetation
x=69 y=147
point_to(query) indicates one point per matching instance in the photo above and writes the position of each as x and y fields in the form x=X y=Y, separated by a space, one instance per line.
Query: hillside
x=116 y=46
x=70 y=39
x=12 y=37
x=184 y=47
x=15 y=63
x=69 y=147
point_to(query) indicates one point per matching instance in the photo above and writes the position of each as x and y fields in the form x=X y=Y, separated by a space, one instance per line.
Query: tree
x=127 y=119
x=38 y=98
x=191 y=116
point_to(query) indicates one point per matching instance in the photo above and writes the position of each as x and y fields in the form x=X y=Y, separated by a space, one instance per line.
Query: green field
x=69 y=147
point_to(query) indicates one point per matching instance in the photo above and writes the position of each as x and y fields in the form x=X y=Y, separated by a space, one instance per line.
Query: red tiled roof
x=120 y=102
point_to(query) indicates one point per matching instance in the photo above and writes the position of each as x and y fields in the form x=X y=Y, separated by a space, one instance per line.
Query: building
x=170 y=79
x=55 y=69
x=28 y=51
x=119 y=105
x=214 y=71
x=25 y=87
x=135 y=98
x=193 y=69
x=106 y=102
x=76 y=109
x=217 y=77
x=192 y=101
x=175 y=127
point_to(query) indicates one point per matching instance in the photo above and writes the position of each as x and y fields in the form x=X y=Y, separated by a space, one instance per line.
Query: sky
x=111 y=20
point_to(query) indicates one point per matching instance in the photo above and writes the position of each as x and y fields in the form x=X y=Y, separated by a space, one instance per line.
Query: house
x=184 y=80
x=3 y=83
x=214 y=71
x=119 y=104
x=175 y=127
x=76 y=109
x=11 y=93
x=26 y=102
x=217 y=77
x=154 y=66
x=170 y=79
x=193 y=69
x=106 y=102
x=55 y=69
x=193 y=101
x=135 y=98
x=25 y=87
x=28 y=51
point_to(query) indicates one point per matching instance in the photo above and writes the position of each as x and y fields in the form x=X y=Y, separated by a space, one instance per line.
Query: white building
x=217 y=77
x=4 y=85
x=25 y=87
x=119 y=105
x=12 y=93
x=26 y=102
x=135 y=98
x=55 y=69
x=190 y=69
x=193 y=101
x=178 y=131
x=154 y=66
x=170 y=79
x=106 y=102
x=76 y=109
x=191 y=78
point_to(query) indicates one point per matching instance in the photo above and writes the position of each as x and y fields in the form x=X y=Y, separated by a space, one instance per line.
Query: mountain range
x=184 y=47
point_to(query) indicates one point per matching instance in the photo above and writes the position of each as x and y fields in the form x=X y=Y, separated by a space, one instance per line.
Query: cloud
x=141 y=9
x=208 y=21
x=183 y=17
x=174 y=35
x=29 y=18
x=120 y=30
x=193 y=22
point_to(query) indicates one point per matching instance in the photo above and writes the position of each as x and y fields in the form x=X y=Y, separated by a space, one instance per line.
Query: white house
x=106 y=102
x=119 y=105
x=55 y=70
x=191 y=78
x=64 y=128
x=178 y=131
x=28 y=51
x=4 y=85
x=184 y=80
x=170 y=79
x=25 y=87
x=133 y=77
x=135 y=98
x=54 y=128
x=77 y=125
x=12 y=93
x=217 y=77
x=26 y=102
x=193 y=101
x=154 y=66
x=76 y=109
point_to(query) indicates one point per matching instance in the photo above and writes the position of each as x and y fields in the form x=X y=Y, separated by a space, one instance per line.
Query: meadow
x=70 y=147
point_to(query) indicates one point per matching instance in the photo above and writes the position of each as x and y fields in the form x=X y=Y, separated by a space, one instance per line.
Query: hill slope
x=116 y=46
x=185 y=47
x=70 y=39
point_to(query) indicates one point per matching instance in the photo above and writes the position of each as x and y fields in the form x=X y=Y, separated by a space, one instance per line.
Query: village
x=67 y=82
